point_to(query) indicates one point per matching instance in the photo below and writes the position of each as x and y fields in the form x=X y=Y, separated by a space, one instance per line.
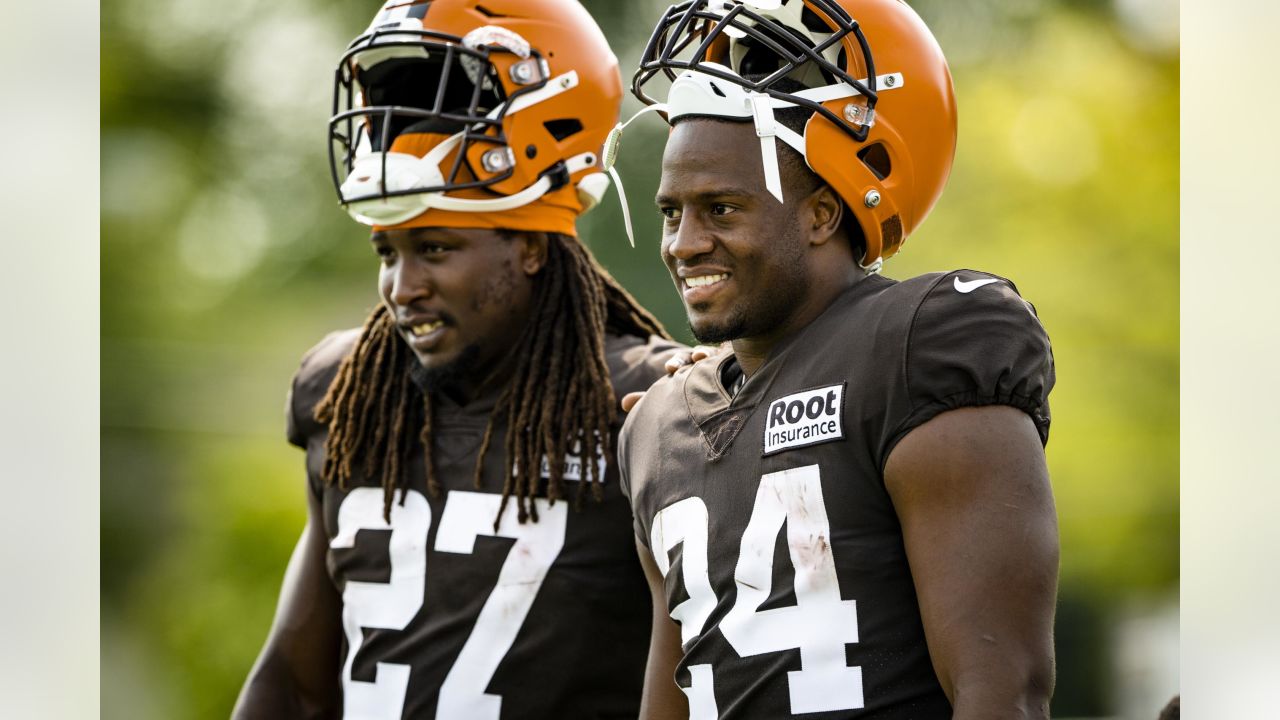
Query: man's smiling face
x=736 y=254
x=456 y=294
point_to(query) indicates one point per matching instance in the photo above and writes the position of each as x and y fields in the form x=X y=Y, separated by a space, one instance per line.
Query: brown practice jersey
x=767 y=512
x=446 y=617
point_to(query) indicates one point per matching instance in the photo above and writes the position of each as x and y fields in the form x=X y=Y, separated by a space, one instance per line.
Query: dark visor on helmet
x=392 y=82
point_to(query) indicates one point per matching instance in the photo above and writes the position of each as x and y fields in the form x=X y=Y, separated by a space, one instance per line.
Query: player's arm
x=296 y=676
x=972 y=492
x=662 y=698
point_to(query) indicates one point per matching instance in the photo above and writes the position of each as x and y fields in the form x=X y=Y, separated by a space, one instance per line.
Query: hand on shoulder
x=681 y=361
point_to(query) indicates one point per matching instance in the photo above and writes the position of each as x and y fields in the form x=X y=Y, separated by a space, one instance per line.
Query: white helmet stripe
x=884 y=83
x=554 y=87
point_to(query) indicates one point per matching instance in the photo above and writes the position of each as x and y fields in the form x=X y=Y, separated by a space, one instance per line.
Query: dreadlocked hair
x=556 y=401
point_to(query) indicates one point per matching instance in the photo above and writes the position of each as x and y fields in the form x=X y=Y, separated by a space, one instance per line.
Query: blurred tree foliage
x=226 y=256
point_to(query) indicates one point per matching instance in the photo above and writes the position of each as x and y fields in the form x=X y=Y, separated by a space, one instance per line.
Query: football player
x=468 y=554
x=849 y=516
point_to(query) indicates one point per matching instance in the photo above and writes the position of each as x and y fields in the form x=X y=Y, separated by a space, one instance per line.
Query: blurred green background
x=225 y=256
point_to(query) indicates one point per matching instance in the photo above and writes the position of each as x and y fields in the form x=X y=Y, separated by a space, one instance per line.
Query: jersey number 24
x=819 y=624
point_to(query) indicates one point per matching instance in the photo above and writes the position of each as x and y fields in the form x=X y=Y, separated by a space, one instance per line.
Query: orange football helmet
x=474 y=106
x=884 y=142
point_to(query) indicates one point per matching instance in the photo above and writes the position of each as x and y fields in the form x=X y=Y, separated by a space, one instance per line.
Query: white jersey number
x=686 y=522
x=819 y=624
x=393 y=604
x=466 y=516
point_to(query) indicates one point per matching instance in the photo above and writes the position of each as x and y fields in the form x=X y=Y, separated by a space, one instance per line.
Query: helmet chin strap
x=611 y=156
x=767 y=128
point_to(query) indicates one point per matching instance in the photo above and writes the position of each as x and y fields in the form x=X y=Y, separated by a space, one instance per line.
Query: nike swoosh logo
x=970 y=286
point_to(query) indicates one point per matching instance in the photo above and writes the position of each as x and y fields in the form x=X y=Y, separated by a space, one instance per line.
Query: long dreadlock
x=558 y=399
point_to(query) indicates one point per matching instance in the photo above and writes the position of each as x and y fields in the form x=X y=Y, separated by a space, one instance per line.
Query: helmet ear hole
x=563 y=127
x=876 y=158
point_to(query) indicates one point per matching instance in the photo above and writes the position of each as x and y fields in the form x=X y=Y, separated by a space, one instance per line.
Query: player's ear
x=826 y=210
x=533 y=252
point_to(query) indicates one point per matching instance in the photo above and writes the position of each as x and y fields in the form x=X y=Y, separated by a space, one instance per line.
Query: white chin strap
x=363 y=188
x=611 y=156
x=697 y=94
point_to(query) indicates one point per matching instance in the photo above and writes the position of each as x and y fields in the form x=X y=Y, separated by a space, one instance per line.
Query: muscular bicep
x=662 y=697
x=972 y=493
x=296 y=674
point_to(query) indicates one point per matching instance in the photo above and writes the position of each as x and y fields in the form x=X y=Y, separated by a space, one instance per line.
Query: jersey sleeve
x=624 y=481
x=316 y=372
x=972 y=341
x=293 y=424
x=310 y=383
x=635 y=364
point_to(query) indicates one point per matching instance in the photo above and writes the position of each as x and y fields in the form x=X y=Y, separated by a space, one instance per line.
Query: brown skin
x=785 y=262
x=491 y=309
x=480 y=283
x=661 y=697
x=296 y=674
x=972 y=493
x=970 y=487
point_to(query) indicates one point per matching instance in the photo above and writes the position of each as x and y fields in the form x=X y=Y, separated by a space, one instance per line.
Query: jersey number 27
x=392 y=605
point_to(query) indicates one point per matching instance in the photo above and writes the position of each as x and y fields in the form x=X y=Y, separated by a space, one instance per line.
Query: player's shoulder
x=947 y=298
x=320 y=363
x=635 y=363
x=972 y=340
x=311 y=382
x=670 y=397
x=965 y=290
x=963 y=298
x=660 y=415
x=962 y=289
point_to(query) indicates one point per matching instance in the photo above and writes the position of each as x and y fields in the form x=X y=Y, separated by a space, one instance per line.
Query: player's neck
x=751 y=352
x=483 y=380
